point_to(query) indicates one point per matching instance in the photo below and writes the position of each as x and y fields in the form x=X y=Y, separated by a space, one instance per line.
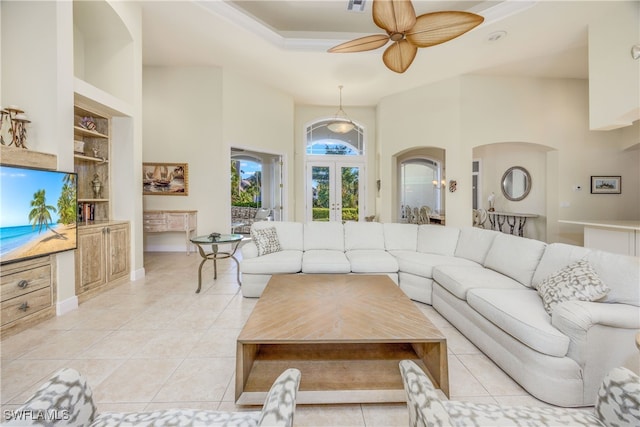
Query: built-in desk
x=171 y=221
x=617 y=236
x=515 y=221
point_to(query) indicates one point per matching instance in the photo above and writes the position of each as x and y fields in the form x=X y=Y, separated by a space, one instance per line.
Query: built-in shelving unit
x=102 y=258
x=92 y=151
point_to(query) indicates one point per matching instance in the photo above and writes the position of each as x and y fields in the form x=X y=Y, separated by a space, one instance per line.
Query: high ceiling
x=283 y=43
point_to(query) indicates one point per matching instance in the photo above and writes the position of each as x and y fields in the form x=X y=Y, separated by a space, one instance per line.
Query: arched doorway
x=421 y=184
x=256 y=185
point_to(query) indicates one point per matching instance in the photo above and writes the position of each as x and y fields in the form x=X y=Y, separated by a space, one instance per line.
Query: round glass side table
x=215 y=254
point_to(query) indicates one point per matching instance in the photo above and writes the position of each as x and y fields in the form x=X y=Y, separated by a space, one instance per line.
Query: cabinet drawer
x=176 y=222
x=25 y=305
x=152 y=217
x=23 y=282
x=155 y=225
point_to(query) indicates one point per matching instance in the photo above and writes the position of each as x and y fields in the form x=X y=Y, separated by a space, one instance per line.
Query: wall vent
x=356 y=5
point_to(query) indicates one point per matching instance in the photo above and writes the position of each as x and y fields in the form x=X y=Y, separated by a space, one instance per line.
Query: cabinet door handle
x=23 y=284
x=24 y=306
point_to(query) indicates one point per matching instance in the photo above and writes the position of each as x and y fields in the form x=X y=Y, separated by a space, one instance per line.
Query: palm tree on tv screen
x=67 y=200
x=40 y=215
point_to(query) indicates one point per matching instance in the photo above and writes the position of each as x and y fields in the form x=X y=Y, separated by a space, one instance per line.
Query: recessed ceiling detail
x=318 y=25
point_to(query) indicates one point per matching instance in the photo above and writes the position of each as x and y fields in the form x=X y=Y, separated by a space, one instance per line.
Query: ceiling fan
x=408 y=32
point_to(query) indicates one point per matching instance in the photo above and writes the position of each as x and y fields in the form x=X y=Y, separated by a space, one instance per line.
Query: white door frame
x=335 y=186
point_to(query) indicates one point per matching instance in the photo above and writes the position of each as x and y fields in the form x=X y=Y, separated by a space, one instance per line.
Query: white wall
x=42 y=85
x=428 y=116
x=496 y=159
x=127 y=131
x=614 y=76
x=472 y=111
x=182 y=123
x=258 y=118
x=194 y=115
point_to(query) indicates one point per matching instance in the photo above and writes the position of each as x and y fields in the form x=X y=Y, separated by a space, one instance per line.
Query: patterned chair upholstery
x=246 y=216
x=618 y=404
x=66 y=400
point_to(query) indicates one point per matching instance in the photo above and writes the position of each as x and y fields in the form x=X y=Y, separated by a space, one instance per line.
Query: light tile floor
x=155 y=344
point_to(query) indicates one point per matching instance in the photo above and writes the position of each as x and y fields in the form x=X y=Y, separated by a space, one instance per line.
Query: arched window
x=420 y=184
x=322 y=141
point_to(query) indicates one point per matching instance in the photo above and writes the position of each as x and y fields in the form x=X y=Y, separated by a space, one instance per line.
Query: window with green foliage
x=246 y=183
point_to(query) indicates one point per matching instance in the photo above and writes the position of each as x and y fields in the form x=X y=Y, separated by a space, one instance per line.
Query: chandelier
x=341 y=123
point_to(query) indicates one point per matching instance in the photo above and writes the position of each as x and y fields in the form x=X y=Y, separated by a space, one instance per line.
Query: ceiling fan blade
x=439 y=27
x=361 y=44
x=394 y=16
x=399 y=56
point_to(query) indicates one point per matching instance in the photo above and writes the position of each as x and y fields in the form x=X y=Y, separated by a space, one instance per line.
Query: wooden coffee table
x=346 y=334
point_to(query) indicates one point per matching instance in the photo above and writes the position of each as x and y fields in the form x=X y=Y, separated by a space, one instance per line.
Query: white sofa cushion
x=282 y=262
x=459 y=279
x=519 y=312
x=621 y=273
x=400 y=237
x=515 y=257
x=436 y=239
x=422 y=264
x=289 y=233
x=474 y=243
x=363 y=235
x=325 y=261
x=555 y=257
x=324 y=235
x=372 y=261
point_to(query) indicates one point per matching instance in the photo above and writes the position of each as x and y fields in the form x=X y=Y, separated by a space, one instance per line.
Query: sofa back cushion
x=400 y=237
x=363 y=235
x=516 y=257
x=621 y=273
x=436 y=239
x=289 y=233
x=324 y=235
x=557 y=256
x=474 y=243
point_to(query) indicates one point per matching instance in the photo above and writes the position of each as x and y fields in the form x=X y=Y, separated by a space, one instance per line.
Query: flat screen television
x=38 y=212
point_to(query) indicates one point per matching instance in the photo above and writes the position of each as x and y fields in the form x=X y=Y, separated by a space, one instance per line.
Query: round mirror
x=516 y=183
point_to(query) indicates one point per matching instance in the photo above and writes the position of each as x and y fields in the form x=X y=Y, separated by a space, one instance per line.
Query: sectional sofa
x=493 y=287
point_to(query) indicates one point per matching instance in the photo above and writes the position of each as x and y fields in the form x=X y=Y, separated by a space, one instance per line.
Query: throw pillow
x=266 y=239
x=577 y=281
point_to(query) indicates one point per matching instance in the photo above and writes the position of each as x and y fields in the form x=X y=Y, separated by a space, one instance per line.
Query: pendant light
x=341 y=122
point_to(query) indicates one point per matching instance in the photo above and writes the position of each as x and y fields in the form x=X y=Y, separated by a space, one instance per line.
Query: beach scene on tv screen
x=38 y=214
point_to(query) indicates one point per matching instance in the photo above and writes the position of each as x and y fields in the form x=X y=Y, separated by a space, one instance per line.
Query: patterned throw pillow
x=266 y=239
x=577 y=281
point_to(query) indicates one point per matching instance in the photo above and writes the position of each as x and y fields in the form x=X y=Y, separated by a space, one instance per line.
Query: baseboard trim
x=137 y=274
x=165 y=248
x=64 y=307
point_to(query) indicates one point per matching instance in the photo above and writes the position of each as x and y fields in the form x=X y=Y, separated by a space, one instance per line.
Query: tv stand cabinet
x=27 y=291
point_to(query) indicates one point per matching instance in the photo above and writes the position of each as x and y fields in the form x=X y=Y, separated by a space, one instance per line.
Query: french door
x=335 y=191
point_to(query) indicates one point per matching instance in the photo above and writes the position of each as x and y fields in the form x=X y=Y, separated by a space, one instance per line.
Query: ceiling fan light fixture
x=341 y=123
x=408 y=32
